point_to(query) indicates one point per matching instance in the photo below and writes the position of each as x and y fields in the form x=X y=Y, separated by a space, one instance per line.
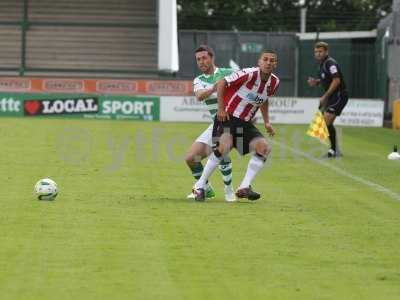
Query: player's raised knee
x=191 y=158
x=262 y=147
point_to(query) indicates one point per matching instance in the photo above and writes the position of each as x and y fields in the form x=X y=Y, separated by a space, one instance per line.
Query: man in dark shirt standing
x=335 y=97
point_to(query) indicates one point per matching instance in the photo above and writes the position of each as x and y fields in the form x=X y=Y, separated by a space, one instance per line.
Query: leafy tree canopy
x=281 y=15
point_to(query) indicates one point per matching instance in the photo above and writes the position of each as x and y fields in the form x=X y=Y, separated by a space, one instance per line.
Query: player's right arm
x=200 y=91
x=222 y=115
x=313 y=81
x=201 y=95
x=234 y=80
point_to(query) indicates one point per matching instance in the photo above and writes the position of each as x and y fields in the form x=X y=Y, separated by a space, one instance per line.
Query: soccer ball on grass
x=46 y=189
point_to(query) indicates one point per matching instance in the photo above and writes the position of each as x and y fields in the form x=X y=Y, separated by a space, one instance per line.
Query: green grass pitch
x=122 y=228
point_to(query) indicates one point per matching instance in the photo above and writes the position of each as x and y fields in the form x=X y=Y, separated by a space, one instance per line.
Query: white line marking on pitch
x=366 y=182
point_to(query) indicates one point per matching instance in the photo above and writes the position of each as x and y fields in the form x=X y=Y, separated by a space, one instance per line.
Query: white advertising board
x=183 y=109
x=362 y=112
x=283 y=110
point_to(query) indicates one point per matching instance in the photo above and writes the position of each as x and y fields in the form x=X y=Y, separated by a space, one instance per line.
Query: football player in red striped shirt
x=240 y=95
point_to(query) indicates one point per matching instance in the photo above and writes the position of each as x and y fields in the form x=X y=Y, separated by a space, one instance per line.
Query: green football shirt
x=206 y=82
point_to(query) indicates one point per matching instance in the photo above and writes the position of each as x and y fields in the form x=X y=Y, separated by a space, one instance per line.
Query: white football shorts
x=206 y=136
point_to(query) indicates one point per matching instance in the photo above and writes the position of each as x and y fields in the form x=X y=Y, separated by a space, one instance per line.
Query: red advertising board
x=96 y=86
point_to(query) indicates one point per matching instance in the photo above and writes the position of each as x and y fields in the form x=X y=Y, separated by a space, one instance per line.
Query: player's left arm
x=332 y=88
x=264 y=108
x=333 y=70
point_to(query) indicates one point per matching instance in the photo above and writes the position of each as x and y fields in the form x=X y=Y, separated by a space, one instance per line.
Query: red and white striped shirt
x=246 y=92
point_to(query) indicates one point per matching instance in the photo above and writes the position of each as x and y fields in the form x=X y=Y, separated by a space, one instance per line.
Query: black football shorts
x=337 y=102
x=242 y=132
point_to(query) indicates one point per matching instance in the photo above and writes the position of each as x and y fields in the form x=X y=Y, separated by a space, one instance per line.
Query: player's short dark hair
x=321 y=45
x=209 y=50
x=269 y=51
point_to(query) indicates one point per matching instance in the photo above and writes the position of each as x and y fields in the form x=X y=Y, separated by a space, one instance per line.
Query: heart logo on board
x=32 y=107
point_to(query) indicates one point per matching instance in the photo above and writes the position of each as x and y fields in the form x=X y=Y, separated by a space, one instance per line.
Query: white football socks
x=209 y=168
x=256 y=163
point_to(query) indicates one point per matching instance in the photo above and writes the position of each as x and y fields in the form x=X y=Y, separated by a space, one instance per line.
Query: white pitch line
x=366 y=182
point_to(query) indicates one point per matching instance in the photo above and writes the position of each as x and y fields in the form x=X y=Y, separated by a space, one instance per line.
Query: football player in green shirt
x=204 y=87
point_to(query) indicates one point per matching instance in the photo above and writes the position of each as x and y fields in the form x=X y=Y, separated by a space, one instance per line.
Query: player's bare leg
x=225 y=144
x=225 y=166
x=260 y=150
x=196 y=153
